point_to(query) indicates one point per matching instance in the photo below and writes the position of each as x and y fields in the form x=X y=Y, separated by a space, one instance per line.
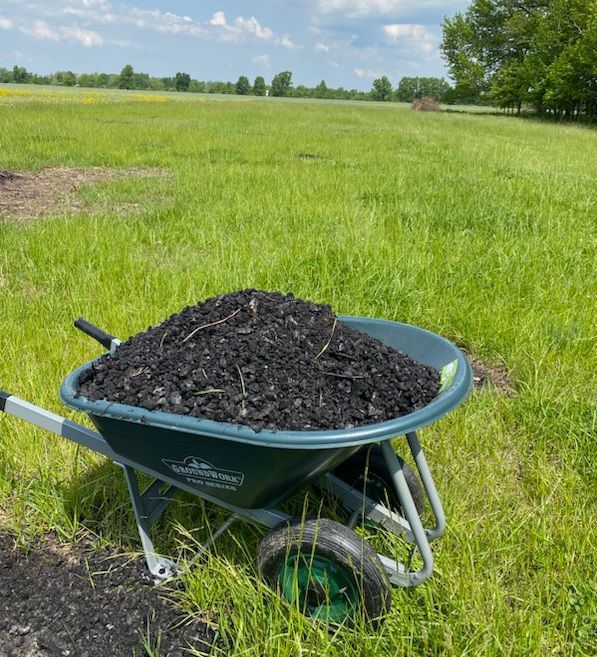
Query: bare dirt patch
x=496 y=376
x=62 y=601
x=33 y=194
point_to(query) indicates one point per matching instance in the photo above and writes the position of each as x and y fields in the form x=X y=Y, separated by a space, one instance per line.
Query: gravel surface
x=266 y=360
x=64 y=601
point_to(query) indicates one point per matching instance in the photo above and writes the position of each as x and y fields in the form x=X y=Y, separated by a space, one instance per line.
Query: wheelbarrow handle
x=105 y=339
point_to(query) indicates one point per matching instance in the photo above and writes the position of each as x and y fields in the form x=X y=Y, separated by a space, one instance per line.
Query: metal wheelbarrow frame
x=148 y=505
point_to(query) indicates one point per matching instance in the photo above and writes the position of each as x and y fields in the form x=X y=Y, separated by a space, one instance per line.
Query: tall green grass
x=480 y=228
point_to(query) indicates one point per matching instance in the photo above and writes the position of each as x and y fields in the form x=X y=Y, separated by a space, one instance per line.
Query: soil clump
x=63 y=601
x=266 y=360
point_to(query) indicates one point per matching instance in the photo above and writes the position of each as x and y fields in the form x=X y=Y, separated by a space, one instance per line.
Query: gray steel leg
x=409 y=578
x=429 y=486
x=410 y=527
x=147 y=507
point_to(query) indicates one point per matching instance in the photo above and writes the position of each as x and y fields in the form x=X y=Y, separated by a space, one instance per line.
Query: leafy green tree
x=197 y=86
x=382 y=89
x=301 y=91
x=106 y=80
x=459 y=49
x=242 y=86
x=215 y=87
x=410 y=88
x=541 y=53
x=64 y=79
x=407 y=90
x=321 y=90
x=125 y=79
x=141 y=81
x=259 y=86
x=20 y=75
x=281 y=83
x=40 y=79
x=182 y=81
x=88 y=80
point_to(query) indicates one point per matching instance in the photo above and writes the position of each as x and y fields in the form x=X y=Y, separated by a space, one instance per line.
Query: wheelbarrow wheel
x=325 y=569
x=367 y=471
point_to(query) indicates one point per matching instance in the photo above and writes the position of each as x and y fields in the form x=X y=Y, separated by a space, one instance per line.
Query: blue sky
x=345 y=42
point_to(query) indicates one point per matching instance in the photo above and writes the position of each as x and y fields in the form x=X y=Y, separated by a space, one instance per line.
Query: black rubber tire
x=336 y=543
x=370 y=460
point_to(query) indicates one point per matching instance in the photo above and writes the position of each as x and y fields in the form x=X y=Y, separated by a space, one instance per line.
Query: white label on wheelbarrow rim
x=199 y=471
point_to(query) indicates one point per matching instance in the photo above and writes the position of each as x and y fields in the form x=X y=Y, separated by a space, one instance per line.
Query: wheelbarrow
x=322 y=565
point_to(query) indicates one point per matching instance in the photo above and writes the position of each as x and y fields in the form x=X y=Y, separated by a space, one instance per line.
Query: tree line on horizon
x=526 y=54
x=407 y=90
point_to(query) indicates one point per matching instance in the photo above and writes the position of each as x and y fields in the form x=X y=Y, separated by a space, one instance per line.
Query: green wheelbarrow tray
x=256 y=469
x=249 y=472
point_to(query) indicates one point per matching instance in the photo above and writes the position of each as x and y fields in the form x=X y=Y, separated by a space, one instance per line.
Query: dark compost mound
x=57 y=601
x=266 y=360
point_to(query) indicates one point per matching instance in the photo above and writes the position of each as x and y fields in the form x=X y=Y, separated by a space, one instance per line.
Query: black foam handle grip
x=105 y=339
x=3 y=397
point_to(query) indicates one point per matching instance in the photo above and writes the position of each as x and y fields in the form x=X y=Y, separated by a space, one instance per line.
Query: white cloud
x=362 y=8
x=42 y=31
x=162 y=21
x=217 y=28
x=6 y=23
x=321 y=47
x=86 y=38
x=262 y=61
x=96 y=13
x=415 y=37
x=242 y=29
x=333 y=64
x=103 y=4
x=102 y=12
x=251 y=26
x=92 y=15
x=356 y=8
x=367 y=73
x=219 y=18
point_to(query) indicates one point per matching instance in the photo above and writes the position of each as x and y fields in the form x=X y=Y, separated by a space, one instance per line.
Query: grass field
x=480 y=228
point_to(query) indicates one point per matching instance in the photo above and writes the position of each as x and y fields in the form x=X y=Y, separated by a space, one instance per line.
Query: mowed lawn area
x=481 y=228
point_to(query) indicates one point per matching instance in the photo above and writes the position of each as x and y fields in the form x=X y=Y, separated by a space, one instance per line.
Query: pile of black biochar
x=266 y=360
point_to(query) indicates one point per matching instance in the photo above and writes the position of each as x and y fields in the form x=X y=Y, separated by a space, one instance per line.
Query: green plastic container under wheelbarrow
x=320 y=565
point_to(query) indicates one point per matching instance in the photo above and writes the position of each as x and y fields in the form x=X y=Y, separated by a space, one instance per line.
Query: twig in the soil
x=327 y=344
x=139 y=371
x=344 y=376
x=70 y=636
x=208 y=391
x=220 y=321
x=163 y=338
x=242 y=385
x=341 y=353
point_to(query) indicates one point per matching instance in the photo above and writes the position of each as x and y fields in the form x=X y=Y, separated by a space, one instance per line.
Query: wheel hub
x=322 y=588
